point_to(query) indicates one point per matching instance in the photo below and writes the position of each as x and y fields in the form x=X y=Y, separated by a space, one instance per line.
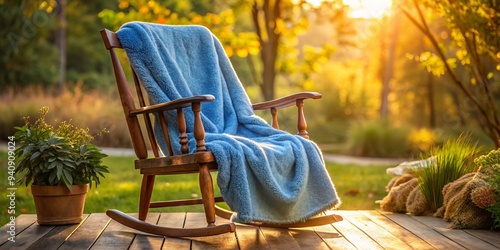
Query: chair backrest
x=112 y=43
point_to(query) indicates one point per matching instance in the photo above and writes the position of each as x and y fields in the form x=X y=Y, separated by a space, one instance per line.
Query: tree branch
x=425 y=29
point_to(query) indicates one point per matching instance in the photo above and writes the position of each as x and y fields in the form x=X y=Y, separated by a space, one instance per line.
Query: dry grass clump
x=459 y=208
x=95 y=110
x=399 y=190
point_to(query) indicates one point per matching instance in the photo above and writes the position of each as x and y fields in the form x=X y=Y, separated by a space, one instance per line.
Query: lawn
x=358 y=187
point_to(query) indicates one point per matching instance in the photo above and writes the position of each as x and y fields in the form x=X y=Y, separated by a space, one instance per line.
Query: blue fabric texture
x=265 y=175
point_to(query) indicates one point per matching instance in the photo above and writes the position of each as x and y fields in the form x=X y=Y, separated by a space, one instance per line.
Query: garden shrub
x=378 y=138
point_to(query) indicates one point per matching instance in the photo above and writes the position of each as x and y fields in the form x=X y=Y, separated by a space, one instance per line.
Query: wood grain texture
x=359 y=230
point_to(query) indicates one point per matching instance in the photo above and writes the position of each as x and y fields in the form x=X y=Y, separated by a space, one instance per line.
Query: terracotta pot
x=56 y=205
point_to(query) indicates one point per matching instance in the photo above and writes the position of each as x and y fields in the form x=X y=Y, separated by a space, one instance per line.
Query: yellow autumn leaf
x=229 y=51
x=144 y=9
x=123 y=4
x=242 y=53
x=253 y=51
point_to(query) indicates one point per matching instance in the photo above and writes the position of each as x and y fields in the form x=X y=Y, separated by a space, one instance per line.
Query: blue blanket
x=265 y=175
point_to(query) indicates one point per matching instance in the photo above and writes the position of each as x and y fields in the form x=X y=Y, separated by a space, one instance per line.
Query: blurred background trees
x=396 y=78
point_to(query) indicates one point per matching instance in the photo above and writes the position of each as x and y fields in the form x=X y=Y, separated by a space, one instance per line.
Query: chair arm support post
x=274 y=113
x=199 y=130
x=301 y=120
x=181 y=126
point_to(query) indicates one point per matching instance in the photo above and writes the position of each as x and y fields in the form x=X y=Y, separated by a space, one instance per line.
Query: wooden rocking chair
x=201 y=162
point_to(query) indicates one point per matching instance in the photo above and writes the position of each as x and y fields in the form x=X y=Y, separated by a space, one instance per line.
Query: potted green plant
x=59 y=163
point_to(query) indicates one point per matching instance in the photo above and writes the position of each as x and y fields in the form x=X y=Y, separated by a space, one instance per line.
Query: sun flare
x=368 y=8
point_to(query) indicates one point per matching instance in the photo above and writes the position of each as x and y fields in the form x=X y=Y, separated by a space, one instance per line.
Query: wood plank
x=57 y=236
x=464 y=239
x=250 y=237
x=308 y=239
x=401 y=233
x=424 y=232
x=333 y=238
x=22 y=222
x=174 y=220
x=279 y=238
x=87 y=233
x=221 y=241
x=360 y=229
x=353 y=234
x=143 y=241
x=492 y=237
x=27 y=237
x=384 y=238
x=115 y=236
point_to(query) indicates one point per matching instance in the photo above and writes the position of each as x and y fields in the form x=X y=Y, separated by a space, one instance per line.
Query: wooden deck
x=359 y=230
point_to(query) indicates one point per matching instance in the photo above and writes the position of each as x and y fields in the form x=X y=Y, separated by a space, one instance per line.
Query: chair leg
x=148 y=182
x=207 y=193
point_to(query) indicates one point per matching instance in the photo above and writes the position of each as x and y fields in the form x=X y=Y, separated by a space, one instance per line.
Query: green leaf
x=59 y=170
x=52 y=165
x=68 y=176
x=35 y=155
x=28 y=149
x=52 y=178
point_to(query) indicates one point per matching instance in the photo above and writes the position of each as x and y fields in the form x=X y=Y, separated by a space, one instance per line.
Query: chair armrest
x=286 y=101
x=179 y=103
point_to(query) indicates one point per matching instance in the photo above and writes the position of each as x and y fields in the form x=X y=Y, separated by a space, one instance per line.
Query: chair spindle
x=199 y=130
x=163 y=124
x=181 y=126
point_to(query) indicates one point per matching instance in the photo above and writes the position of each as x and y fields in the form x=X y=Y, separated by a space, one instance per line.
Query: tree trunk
x=388 y=67
x=61 y=43
x=430 y=99
x=264 y=17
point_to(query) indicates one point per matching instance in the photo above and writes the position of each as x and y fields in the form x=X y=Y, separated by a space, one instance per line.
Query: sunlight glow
x=315 y=3
x=368 y=8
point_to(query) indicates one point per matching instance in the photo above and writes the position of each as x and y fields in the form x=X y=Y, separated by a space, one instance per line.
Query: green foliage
x=26 y=53
x=29 y=54
x=476 y=19
x=452 y=161
x=472 y=40
x=57 y=156
x=378 y=138
x=490 y=165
